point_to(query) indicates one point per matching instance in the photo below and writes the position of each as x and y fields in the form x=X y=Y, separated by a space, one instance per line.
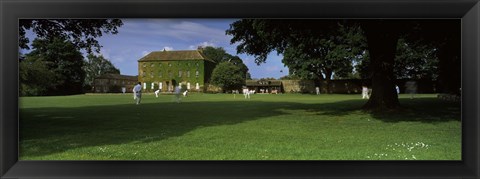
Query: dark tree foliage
x=312 y=49
x=35 y=77
x=228 y=76
x=82 y=33
x=96 y=66
x=219 y=55
x=445 y=37
x=259 y=37
x=63 y=62
x=415 y=61
x=216 y=54
x=412 y=61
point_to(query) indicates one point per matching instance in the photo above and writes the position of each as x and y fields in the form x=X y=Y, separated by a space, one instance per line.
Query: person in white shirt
x=246 y=93
x=365 y=92
x=156 y=93
x=185 y=93
x=177 y=93
x=137 y=93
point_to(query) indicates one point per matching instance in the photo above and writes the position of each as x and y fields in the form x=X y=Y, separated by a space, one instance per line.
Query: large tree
x=415 y=61
x=219 y=55
x=62 y=59
x=445 y=37
x=96 y=66
x=331 y=54
x=82 y=33
x=382 y=37
x=227 y=76
x=259 y=37
x=35 y=76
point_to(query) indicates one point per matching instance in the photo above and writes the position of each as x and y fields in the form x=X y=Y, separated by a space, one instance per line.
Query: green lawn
x=221 y=127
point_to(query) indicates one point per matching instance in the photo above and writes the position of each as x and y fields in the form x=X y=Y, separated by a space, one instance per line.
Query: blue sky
x=138 y=37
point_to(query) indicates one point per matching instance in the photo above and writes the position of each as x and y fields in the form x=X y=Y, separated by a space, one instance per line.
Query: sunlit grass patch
x=228 y=127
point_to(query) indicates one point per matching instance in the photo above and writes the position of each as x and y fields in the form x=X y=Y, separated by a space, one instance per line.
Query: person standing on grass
x=411 y=88
x=156 y=93
x=365 y=92
x=137 y=93
x=398 y=89
x=177 y=94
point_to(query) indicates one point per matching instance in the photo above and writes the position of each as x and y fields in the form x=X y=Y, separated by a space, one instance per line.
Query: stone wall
x=298 y=86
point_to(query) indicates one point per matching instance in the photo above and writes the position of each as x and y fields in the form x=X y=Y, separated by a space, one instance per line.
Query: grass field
x=221 y=127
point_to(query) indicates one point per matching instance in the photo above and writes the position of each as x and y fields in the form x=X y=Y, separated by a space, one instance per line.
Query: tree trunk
x=328 y=78
x=382 y=40
x=450 y=66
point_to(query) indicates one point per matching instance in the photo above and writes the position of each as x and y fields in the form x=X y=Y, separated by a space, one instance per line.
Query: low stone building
x=298 y=86
x=265 y=86
x=114 y=83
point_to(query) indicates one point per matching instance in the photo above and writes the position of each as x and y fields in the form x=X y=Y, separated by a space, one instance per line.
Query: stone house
x=164 y=70
x=114 y=83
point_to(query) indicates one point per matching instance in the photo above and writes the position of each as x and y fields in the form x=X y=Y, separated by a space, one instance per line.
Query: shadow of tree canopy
x=45 y=131
x=425 y=110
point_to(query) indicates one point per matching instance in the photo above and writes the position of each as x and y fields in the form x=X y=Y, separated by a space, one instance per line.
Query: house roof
x=118 y=76
x=263 y=82
x=174 y=56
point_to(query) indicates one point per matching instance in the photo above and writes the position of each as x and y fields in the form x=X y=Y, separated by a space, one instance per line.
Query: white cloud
x=177 y=28
x=168 y=48
x=145 y=53
x=203 y=44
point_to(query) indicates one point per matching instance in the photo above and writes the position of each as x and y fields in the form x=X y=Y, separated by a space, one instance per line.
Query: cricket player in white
x=177 y=93
x=365 y=92
x=137 y=93
x=156 y=93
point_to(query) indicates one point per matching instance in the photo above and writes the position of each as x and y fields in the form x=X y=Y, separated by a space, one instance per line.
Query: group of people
x=137 y=93
x=410 y=88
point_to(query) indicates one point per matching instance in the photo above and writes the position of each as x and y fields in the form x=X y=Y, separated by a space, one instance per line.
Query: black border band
x=11 y=11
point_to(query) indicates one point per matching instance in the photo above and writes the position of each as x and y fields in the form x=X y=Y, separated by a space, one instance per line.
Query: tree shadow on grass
x=45 y=131
x=425 y=110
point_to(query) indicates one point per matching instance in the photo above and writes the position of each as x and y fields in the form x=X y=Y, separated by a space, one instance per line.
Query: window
x=196 y=64
x=144 y=65
x=179 y=73
x=197 y=73
x=159 y=74
x=144 y=74
x=170 y=74
x=169 y=65
x=152 y=65
x=188 y=74
x=151 y=74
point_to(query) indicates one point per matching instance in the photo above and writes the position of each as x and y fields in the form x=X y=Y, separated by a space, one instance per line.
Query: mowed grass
x=224 y=127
